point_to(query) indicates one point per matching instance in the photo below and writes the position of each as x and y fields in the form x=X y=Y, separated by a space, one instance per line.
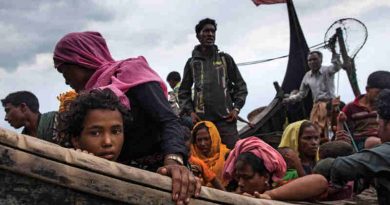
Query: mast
x=348 y=63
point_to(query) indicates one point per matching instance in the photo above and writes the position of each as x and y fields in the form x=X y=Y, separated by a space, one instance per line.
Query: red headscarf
x=273 y=161
x=89 y=50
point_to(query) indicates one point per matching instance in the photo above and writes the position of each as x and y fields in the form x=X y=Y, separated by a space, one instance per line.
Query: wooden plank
x=261 y=118
x=20 y=189
x=55 y=164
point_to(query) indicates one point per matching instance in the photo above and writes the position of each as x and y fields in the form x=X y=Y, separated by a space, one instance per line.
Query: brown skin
x=384 y=130
x=184 y=184
x=14 y=115
x=203 y=142
x=308 y=144
x=367 y=101
x=314 y=61
x=232 y=116
x=303 y=188
x=341 y=134
x=206 y=36
x=195 y=118
x=250 y=181
x=370 y=98
x=21 y=116
x=102 y=134
x=292 y=160
x=75 y=76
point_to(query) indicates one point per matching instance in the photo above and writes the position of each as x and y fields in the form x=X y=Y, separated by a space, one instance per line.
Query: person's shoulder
x=226 y=55
x=307 y=74
x=50 y=114
x=327 y=68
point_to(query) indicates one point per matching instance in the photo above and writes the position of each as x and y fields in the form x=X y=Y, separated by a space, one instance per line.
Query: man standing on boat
x=219 y=89
x=320 y=81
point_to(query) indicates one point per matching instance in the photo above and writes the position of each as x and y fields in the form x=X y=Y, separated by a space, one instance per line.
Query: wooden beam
x=349 y=63
x=86 y=173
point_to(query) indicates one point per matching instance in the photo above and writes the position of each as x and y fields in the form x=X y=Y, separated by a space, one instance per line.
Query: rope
x=317 y=46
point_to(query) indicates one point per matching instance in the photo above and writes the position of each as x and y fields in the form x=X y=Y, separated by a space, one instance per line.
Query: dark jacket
x=155 y=130
x=218 y=85
x=372 y=164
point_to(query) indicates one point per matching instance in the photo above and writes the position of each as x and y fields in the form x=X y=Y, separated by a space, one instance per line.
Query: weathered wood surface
x=261 y=119
x=82 y=176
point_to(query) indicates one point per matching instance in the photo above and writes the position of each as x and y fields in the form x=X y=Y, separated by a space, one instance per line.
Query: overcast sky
x=163 y=32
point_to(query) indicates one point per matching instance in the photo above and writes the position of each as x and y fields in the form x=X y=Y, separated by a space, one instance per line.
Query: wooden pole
x=348 y=63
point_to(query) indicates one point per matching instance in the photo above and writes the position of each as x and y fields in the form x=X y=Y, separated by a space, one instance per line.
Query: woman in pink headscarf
x=156 y=139
x=253 y=166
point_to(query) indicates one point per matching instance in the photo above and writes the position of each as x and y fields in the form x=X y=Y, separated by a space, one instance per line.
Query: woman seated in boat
x=253 y=166
x=156 y=139
x=208 y=147
x=199 y=168
x=299 y=147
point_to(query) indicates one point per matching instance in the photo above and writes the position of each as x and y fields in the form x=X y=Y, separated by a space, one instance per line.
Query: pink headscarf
x=89 y=50
x=273 y=161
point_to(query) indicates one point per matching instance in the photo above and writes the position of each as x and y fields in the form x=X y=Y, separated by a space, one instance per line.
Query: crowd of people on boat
x=121 y=110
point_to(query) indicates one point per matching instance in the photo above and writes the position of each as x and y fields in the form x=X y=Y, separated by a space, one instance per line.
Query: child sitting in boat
x=95 y=123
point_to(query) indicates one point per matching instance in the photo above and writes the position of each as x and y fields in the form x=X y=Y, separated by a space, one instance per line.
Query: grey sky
x=163 y=32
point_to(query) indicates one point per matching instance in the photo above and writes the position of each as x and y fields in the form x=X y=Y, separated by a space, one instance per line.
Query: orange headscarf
x=216 y=159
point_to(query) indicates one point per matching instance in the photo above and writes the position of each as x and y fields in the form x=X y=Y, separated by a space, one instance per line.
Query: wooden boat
x=33 y=171
x=269 y=123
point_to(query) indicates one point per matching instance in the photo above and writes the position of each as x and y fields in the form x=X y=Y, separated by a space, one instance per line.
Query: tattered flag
x=258 y=2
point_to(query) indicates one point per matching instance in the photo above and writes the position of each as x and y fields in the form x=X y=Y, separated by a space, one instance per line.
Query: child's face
x=102 y=134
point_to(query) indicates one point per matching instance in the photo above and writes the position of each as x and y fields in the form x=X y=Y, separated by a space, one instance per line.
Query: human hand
x=342 y=117
x=258 y=195
x=293 y=158
x=83 y=151
x=342 y=135
x=262 y=196
x=184 y=183
x=195 y=118
x=232 y=116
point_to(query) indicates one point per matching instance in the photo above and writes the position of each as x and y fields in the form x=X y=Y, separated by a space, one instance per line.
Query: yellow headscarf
x=290 y=137
x=216 y=160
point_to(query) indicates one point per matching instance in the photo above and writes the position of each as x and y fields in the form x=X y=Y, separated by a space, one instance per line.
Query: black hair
x=255 y=162
x=305 y=125
x=27 y=97
x=196 y=129
x=204 y=22
x=71 y=121
x=257 y=165
x=316 y=52
x=383 y=104
x=379 y=79
x=335 y=149
x=174 y=76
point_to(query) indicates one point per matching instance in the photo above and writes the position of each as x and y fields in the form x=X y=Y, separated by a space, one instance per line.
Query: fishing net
x=354 y=33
